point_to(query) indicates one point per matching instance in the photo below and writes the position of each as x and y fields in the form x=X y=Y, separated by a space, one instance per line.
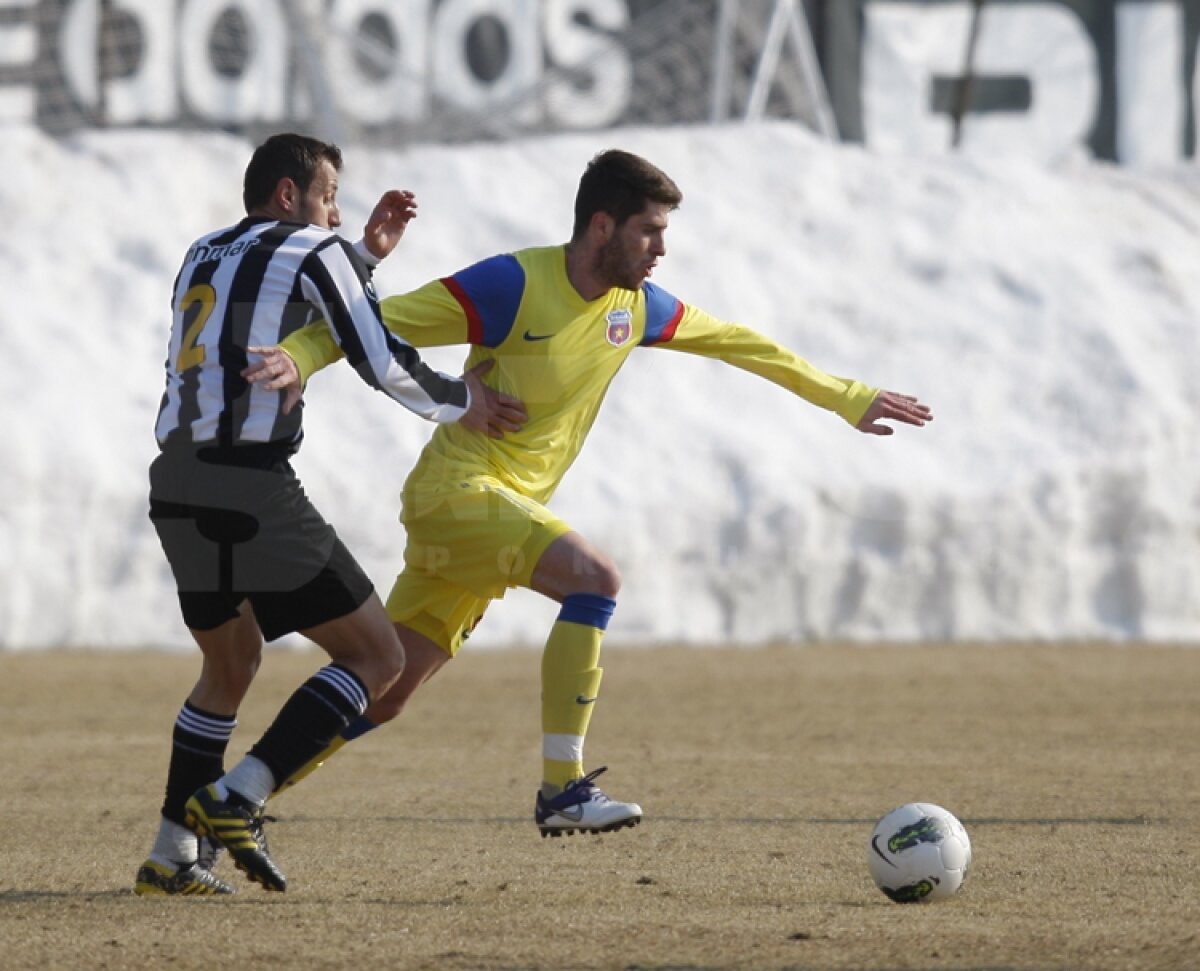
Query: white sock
x=250 y=779
x=175 y=845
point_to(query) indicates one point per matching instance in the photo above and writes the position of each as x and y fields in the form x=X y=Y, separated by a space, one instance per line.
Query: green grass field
x=761 y=773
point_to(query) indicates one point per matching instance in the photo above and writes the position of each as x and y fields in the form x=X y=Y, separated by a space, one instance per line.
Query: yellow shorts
x=466 y=549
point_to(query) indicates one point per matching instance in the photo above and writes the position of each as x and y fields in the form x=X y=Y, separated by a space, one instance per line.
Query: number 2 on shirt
x=205 y=297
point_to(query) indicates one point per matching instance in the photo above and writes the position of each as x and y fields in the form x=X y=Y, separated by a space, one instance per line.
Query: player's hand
x=491 y=412
x=279 y=372
x=892 y=406
x=385 y=226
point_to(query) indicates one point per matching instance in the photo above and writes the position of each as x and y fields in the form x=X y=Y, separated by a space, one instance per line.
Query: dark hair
x=286 y=156
x=620 y=184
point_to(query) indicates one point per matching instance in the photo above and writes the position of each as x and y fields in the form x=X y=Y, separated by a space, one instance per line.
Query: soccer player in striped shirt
x=251 y=556
x=559 y=322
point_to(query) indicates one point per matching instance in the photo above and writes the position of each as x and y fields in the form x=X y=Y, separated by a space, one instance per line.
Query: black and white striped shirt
x=253 y=284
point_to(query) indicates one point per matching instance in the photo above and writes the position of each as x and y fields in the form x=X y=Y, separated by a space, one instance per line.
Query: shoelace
x=258 y=832
x=579 y=790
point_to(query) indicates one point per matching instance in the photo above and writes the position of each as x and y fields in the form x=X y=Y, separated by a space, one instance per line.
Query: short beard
x=612 y=266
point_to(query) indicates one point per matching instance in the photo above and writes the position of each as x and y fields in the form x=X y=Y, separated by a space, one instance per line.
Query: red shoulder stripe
x=474 y=323
x=669 y=330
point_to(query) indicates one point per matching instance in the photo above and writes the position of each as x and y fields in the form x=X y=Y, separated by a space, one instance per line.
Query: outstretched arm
x=490 y=412
x=674 y=325
x=427 y=317
x=700 y=333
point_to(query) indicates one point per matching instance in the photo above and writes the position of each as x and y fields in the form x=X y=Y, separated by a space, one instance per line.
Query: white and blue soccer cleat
x=582 y=807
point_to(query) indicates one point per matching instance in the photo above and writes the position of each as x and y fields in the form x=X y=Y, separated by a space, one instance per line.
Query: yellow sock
x=570 y=684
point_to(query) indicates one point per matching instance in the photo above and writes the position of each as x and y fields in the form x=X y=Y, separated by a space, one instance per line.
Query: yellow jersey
x=557 y=353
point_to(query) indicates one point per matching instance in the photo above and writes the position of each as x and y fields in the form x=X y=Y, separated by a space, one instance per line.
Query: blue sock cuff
x=589 y=609
x=360 y=726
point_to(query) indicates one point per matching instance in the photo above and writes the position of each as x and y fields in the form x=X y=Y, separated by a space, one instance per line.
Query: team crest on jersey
x=620 y=326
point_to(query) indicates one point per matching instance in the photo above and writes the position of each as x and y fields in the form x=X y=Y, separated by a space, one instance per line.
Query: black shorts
x=236 y=525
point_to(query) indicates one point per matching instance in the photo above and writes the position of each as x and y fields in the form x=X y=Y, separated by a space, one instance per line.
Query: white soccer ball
x=919 y=852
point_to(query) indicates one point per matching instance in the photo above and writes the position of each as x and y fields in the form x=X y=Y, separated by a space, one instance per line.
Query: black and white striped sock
x=197 y=756
x=310 y=719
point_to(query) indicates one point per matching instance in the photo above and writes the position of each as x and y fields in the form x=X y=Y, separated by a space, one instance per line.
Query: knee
x=604 y=577
x=423 y=660
x=391 y=703
x=384 y=664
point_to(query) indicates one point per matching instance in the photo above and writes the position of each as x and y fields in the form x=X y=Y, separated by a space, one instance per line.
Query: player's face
x=318 y=205
x=636 y=246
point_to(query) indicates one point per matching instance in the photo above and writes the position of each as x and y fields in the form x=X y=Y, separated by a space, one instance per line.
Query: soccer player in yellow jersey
x=559 y=322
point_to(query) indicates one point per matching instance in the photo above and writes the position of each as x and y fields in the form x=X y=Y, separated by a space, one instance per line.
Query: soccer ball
x=919 y=852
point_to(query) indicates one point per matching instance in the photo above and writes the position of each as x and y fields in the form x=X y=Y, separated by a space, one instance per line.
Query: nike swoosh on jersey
x=581 y=700
x=531 y=336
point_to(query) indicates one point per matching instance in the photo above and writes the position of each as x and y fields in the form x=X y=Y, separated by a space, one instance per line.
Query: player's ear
x=287 y=195
x=602 y=226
